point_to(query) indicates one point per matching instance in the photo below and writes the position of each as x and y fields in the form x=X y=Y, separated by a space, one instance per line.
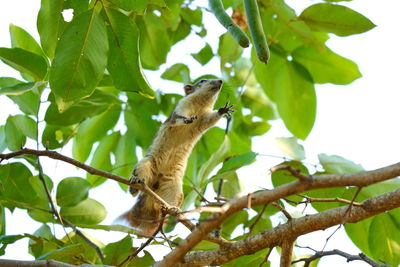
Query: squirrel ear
x=188 y=89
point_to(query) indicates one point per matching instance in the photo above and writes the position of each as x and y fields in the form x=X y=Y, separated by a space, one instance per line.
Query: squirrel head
x=204 y=87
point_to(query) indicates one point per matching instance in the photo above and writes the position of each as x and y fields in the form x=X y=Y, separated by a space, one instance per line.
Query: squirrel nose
x=219 y=81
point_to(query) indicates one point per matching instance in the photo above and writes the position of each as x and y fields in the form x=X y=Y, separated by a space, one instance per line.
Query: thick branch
x=349 y=257
x=295 y=228
x=268 y=196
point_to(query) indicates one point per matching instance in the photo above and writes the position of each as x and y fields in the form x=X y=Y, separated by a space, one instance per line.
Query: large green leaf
x=154 y=40
x=281 y=22
x=19 y=89
x=384 y=239
x=92 y=130
x=15 y=185
x=80 y=59
x=95 y=104
x=22 y=39
x=102 y=158
x=290 y=86
x=290 y=147
x=125 y=156
x=15 y=138
x=178 y=72
x=326 y=66
x=88 y=211
x=229 y=50
x=237 y=162
x=124 y=62
x=71 y=191
x=338 y=164
x=115 y=253
x=336 y=19
x=204 y=55
x=24 y=61
x=55 y=136
x=50 y=24
x=27 y=102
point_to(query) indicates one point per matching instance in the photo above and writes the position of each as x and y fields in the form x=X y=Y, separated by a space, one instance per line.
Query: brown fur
x=164 y=165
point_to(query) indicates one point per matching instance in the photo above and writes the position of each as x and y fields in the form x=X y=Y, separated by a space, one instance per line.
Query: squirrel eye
x=202 y=81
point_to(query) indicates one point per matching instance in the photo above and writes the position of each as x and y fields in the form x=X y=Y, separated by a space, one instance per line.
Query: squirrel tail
x=144 y=216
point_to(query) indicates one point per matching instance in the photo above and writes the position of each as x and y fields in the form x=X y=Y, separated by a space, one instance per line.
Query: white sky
x=358 y=121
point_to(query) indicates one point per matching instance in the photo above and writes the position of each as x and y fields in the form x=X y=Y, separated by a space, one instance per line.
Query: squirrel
x=163 y=167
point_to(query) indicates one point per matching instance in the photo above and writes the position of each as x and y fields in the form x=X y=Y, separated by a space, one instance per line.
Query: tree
x=91 y=70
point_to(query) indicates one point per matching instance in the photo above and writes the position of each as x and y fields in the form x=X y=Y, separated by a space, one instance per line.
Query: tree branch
x=268 y=196
x=349 y=257
x=294 y=228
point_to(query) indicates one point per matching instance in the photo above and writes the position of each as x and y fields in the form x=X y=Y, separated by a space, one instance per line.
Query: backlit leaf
x=83 y=47
x=88 y=211
x=71 y=191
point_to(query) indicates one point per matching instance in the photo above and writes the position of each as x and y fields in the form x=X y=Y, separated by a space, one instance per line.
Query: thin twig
x=282 y=209
x=145 y=244
x=295 y=172
x=266 y=257
x=313 y=199
x=349 y=257
x=202 y=197
x=87 y=240
x=257 y=219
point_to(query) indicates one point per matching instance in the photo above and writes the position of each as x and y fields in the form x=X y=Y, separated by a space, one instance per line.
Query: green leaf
x=230 y=184
x=27 y=102
x=71 y=191
x=50 y=24
x=22 y=39
x=145 y=261
x=78 y=6
x=95 y=104
x=83 y=47
x=2 y=221
x=55 y=136
x=15 y=139
x=384 y=239
x=192 y=16
x=155 y=40
x=290 y=86
x=44 y=243
x=92 y=130
x=125 y=156
x=290 y=147
x=115 y=253
x=19 y=89
x=336 y=19
x=124 y=62
x=228 y=49
x=178 y=72
x=88 y=211
x=26 y=125
x=237 y=162
x=136 y=5
x=15 y=185
x=232 y=222
x=24 y=61
x=338 y=164
x=284 y=177
x=102 y=158
x=326 y=66
x=250 y=260
x=7 y=240
x=212 y=162
x=204 y=55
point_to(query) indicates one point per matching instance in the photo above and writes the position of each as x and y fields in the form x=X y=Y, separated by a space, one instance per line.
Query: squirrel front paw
x=226 y=109
x=135 y=180
x=190 y=119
